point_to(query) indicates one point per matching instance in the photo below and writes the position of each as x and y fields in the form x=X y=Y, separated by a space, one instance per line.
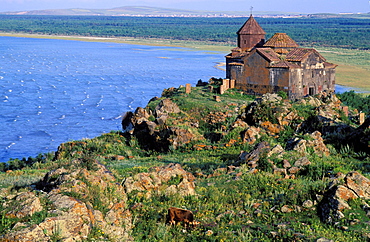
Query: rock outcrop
x=71 y=201
x=352 y=186
x=156 y=134
x=315 y=141
x=252 y=158
x=273 y=114
x=168 y=179
x=24 y=204
x=259 y=159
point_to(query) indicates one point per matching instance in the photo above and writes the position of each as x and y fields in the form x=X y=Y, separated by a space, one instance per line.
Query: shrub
x=285 y=134
x=283 y=94
x=263 y=113
x=303 y=110
x=355 y=100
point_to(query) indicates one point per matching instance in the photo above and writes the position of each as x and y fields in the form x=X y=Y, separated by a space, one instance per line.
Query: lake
x=54 y=91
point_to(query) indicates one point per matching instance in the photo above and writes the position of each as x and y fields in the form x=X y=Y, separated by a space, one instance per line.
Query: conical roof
x=251 y=27
x=281 y=40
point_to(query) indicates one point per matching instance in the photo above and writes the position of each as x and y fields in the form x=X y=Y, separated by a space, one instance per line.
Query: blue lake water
x=54 y=91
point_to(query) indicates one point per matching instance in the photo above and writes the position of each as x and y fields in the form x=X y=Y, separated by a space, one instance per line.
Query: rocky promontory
x=250 y=169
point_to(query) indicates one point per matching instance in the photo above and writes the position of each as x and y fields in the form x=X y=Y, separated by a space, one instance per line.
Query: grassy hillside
x=253 y=170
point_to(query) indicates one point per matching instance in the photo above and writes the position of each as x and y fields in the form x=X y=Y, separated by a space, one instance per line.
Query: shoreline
x=128 y=40
x=343 y=72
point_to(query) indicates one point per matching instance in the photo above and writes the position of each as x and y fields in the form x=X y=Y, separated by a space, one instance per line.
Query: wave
x=117 y=117
x=10 y=145
x=71 y=92
x=40 y=133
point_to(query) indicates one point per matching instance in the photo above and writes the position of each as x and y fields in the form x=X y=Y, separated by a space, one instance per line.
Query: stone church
x=278 y=64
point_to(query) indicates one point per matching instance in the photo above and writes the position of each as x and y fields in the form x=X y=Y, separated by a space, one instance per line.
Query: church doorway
x=311 y=91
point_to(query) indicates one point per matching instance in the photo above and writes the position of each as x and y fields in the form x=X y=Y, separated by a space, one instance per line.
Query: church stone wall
x=279 y=79
x=256 y=75
x=295 y=84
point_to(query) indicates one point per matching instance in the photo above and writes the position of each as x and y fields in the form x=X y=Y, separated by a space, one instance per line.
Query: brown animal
x=176 y=215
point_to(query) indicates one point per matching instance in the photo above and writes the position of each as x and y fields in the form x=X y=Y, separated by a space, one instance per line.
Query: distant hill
x=145 y=11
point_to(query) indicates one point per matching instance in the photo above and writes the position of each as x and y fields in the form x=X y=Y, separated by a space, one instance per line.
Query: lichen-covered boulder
x=336 y=198
x=359 y=184
x=157 y=181
x=166 y=106
x=315 y=141
x=24 y=204
x=252 y=158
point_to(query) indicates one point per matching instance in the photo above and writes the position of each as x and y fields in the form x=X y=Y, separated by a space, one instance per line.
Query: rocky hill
x=264 y=169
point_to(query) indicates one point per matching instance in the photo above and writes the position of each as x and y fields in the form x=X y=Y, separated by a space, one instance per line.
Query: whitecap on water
x=115 y=118
x=40 y=133
x=10 y=145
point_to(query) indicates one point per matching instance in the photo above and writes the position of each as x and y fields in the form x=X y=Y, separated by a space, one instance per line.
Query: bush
x=355 y=100
x=283 y=94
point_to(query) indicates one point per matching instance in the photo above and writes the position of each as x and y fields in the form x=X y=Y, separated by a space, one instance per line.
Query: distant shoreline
x=198 y=45
x=195 y=45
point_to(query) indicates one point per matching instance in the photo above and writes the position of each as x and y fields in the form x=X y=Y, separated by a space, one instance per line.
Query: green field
x=333 y=32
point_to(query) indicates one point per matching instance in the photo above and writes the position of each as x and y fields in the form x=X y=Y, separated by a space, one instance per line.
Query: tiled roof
x=329 y=65
x=236 y=64
x=299 y=54
x=236 y=49
x=251 y=27
x=284 y=64
x=268 y=53
x=281 y=40
x=236 y=55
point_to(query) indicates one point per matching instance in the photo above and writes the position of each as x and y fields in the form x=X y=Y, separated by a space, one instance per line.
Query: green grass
x=21 y=178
